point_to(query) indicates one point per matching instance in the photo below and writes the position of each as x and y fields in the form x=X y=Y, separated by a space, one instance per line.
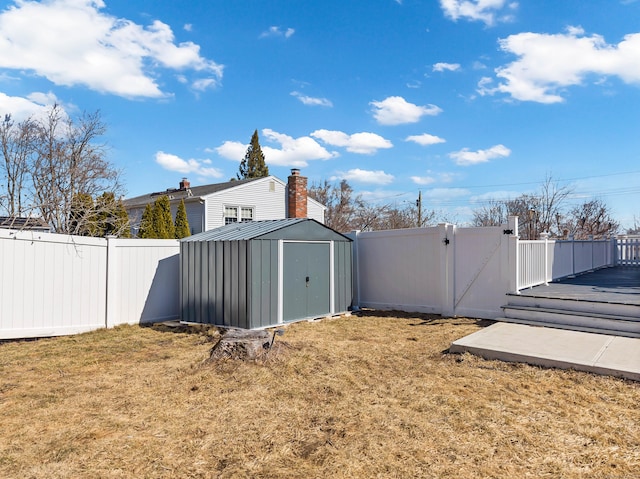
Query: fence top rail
x=401 y=232
x=51 y=238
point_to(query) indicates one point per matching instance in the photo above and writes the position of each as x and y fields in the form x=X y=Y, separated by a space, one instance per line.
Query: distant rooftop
x=24 y=223
x=185 y=191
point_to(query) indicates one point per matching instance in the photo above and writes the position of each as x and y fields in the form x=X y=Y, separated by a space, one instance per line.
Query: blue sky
x=464 y=100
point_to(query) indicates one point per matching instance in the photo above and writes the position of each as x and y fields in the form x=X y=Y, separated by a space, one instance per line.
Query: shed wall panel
x=342 y=276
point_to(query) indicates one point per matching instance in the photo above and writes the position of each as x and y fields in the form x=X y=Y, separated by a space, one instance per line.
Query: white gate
x=443 y=269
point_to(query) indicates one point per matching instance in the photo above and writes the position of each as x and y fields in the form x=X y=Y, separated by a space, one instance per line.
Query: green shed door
x=306 y=281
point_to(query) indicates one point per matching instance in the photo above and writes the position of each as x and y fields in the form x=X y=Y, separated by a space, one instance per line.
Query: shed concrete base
x=556 y=348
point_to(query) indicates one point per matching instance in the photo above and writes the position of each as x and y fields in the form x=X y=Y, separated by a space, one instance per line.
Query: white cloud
x=188 y=27
x=433 y=178
x=203 y=83
x=277 y=32
x=311 y=101
x=425 y=139
x=423 y=180
x=440 y=67
x=395 y=110
x=231 y=150
x=465 y=157
x=486 y=11
x=175 y=163
x=364 y=143
x=34 y=106
x=549 y=63
x=291 y=152
x=357 y=175
x=72 y=42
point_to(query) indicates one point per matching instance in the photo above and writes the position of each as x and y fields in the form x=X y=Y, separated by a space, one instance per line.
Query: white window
x=246 y=214
x=231 y=214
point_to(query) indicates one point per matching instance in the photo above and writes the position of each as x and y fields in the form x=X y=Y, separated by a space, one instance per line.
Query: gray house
x=214 y=205
x=265 y=273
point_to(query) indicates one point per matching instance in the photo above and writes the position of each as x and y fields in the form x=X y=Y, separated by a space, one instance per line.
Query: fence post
x=110 y=293
x=545 y=237
x=355 y=264
x=446 y=234
x=573 y=255
x=514 y=256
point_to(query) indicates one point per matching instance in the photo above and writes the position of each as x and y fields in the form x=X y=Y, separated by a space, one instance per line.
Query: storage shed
x=264 y=273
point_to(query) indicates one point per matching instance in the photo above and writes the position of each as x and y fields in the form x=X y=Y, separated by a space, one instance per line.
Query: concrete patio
x=590 y=322
x=556 y=348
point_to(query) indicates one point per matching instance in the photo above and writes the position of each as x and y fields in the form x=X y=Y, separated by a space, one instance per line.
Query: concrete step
x=583 y=306
x=598 y=328
x=562 y=316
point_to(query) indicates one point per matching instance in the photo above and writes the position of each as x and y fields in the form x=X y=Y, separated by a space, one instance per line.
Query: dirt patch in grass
x=366 y=396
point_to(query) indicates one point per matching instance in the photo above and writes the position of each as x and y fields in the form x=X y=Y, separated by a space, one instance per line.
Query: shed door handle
x=307 y=280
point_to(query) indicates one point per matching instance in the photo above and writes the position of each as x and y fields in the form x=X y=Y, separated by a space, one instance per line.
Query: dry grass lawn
x=360 y=397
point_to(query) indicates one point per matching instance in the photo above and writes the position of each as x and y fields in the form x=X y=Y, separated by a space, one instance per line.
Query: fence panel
x=57 y=284
x=146 y=277
x=628 y=251
x=532 y=269
x=51 y=284
x=480 y=271
x=399 y=269
x=561 y=263
x=443 y=270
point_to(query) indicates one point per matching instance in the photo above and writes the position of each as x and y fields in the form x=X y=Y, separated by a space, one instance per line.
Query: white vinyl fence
x=543 y=261
x=56 y=284
x=628 y=251
x=443 y=269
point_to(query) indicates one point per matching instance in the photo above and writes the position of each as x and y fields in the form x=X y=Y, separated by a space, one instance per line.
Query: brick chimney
x=297 y=200
x=184 y=184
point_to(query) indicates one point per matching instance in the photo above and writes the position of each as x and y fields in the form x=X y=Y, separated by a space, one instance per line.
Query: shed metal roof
x=245 y=230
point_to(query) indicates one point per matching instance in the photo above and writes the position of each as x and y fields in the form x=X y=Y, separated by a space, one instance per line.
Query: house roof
x=176 y=194
x=23 y=223
x=186 y=193
x=248 y=230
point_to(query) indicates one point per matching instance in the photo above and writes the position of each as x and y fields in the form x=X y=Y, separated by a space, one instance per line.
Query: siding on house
x=315 y=210
x=266 y=197
x=206 y=204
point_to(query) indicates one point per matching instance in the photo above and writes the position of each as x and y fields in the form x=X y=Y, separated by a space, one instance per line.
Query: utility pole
x=419 y=205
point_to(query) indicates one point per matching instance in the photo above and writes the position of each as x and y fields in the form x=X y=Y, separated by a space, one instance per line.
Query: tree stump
x=242 y=344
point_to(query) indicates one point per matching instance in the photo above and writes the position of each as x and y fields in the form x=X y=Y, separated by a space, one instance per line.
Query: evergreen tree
x=121 y=220
x=253 y=165
x=147 y=229
x=111 y=217
x=82 y=217
x=162 y=221
x=182 y=222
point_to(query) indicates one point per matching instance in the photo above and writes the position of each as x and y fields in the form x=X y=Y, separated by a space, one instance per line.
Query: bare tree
x=16 y=148
x=537 y=213
x=493 y=213
x=347 y=212
x=591 y=218
x=69 y=161
x=635 y=229
x=341 y=205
